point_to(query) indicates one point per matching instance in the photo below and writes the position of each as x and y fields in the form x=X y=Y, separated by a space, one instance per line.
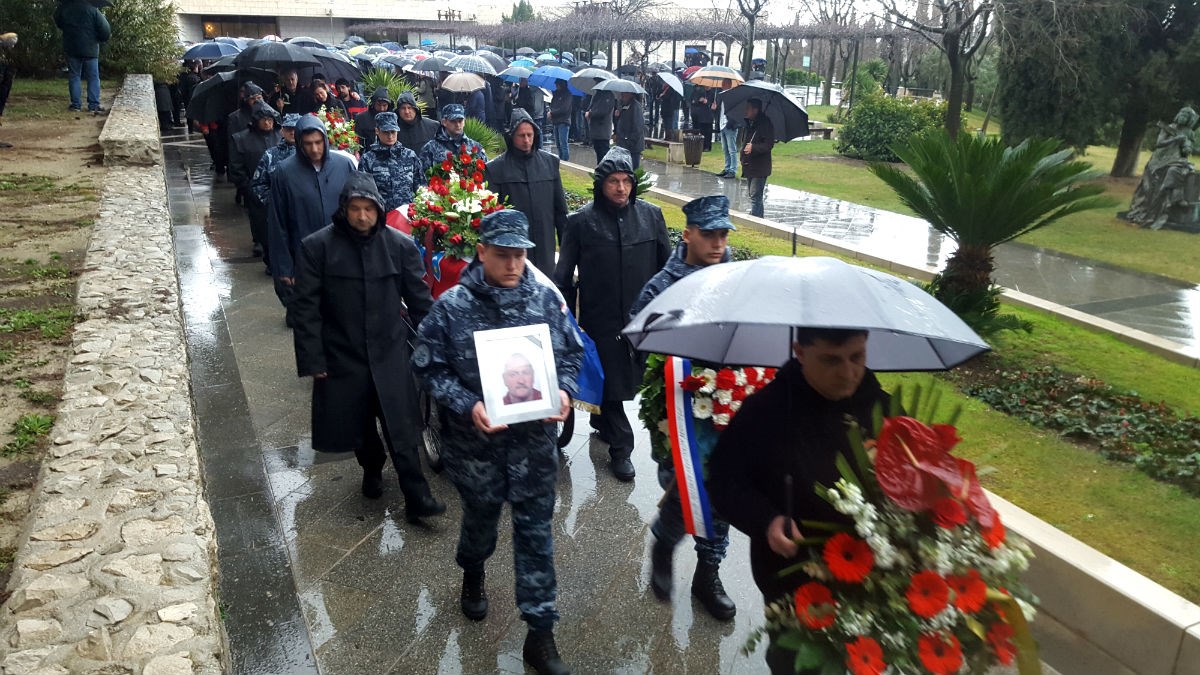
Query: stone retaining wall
x=116 y=573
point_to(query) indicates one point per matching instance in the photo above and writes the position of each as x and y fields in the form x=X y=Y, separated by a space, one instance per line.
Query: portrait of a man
x=519 y=381
x=516 y=370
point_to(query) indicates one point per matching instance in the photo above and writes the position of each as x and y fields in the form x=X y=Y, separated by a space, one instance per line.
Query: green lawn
x=1145 y=524
x=47 y=99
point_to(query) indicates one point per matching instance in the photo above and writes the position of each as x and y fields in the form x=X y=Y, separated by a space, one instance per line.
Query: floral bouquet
x=446 y=213
x=717 y=395
x=924 y=581
x=339 y=131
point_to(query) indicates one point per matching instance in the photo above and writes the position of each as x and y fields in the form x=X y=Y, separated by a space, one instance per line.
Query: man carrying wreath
x=704 y=243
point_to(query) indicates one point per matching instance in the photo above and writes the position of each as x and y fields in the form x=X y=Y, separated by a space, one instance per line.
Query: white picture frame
x=517 y=373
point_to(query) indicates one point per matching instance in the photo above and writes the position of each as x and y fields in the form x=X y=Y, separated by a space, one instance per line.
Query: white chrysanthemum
x=739 y=376
x=721 y=419
x=702 y=408
x=724 y=396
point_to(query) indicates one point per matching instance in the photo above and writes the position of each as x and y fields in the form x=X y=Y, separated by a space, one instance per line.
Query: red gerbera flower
x=949 y=513
x=970 y=591
x=726 y=379
x=940 y=654
x=864 y=656
x=927 y=594
x=999 y=636
x=849 y=558
x=692 y=383
x=815 y=606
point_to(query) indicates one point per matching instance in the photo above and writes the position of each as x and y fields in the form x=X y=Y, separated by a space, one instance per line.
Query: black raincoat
x=415 y=134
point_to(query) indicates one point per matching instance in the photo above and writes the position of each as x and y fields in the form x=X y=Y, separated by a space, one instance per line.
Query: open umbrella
x=273 y=55
x=526 y=50
x=445 y=54
x=585 y=80
x=672 y=82
x=210 y=50
x=355 y=39
x=743 y=313
x=462 y=82
x=433 y=64
x=545 y=76
x=469 y=63
x=619 y=87
x=524 y=63
x=546 y=58
x=714 y=76
x=514 y=74
x=305 y=41
x=213 y=99
x=396 y=61
x=494 y=60
x=221 y=65
x=333 y=65
x=787 y=116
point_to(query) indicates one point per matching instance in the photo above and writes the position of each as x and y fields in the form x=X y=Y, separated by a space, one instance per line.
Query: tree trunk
x=954 y=97
x=968 y=271
x=1133 y=131
x=969 y=104
x=830 y=71
x=748 y=50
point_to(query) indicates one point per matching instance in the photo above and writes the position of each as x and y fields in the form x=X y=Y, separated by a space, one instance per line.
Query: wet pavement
x=1157 y=305
x=316 y=579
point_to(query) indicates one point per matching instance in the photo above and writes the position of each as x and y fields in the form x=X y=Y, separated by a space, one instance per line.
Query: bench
x=819 y=129
x=674 y=149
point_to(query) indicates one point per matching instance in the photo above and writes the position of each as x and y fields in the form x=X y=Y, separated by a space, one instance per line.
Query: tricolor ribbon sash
x=689 y=470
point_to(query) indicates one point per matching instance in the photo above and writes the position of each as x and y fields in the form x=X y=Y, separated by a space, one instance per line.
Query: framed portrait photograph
x=516 y=369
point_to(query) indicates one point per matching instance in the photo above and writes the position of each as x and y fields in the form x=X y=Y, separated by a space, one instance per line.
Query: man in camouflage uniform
x=491 y=464
x=704 y=243
x=450 y=138
x=260 y=183
x=395 y=168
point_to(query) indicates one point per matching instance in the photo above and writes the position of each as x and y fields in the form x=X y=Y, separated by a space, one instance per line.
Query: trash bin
x=693 y=148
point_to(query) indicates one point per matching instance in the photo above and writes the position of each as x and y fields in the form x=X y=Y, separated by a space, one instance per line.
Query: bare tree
x=958 y=28
x=834 y=13
x=750 y=10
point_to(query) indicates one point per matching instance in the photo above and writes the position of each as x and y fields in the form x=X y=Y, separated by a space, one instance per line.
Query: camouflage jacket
x=396 y=170
x=435 y=150
x=260 y=182
x=520 y=462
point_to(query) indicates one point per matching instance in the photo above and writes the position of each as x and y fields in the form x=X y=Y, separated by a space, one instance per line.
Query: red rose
x=849 y=558
x=456 y=238
x=927 y=594
x=443 y=228
x=447 y=166
x=949 y=513
x=726 y=379
x=477 y=177
x=462 y=184
x=692 y=383
x=412 y=210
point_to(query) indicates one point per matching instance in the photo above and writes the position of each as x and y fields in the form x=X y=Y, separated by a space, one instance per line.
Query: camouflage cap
x=454 y=111
x=709 y=213
x=386 y=121
x=507 y=227
x=290 y=120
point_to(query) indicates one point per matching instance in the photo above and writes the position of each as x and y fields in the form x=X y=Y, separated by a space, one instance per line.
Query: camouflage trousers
x=669 y=528
x=533 y=552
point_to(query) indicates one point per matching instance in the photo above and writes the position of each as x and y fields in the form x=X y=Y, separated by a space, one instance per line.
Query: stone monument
x=1169 y=192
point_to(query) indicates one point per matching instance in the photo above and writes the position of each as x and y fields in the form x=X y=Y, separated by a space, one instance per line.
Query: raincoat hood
x=406 y=97
x=617 y=160
x=262 y=111
x=381 y=94
x=519 y=115
x=358 y=184
x=306 y=124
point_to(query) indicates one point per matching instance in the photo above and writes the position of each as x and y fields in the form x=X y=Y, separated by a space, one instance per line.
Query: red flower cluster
x=815 y=606
x=449 y=210
x=999 y=637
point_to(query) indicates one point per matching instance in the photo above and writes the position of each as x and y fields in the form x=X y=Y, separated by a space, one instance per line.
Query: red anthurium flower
x=970 y=591
x=864 y=656
x=949 y=513
x=940 y=654
x=999 y=636
x=815 y=606
x=910 y=462
x=994 y=535
x=849 y=559
x=927 y=594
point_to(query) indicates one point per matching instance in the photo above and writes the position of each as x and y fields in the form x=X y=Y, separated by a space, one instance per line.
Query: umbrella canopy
x=689 y=71
x=462 y=82
x=392 y=46
x=672 y=82
x=545 y=58
x=526 y=50
x=272 y=55
x=524 y=63
x=657 y=67
x=376 y=50
x=469 y=63
x=445 y=54
x=355 y=39
x=546 y=76
x=787 y=116
x=619 y=87
x=433 y=64
x=585 y=80
x=210 y=50
x=715 y=76
x=514 y=73
x=213 y=99
x=396 y=61
x=305 y=41
x=355 y=51
x=222 y=65
x=494 y=60
x=743 y=313
x=333 y=65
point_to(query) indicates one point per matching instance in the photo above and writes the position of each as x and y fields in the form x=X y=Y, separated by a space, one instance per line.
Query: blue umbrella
x=546 y=76
x=209 y=51
x=514 y=73
x=393 y=46
x=524 y=63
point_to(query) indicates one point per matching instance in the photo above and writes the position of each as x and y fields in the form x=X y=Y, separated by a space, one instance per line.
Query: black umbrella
x=789 y=118
x=355 y=39
x=306 y=41
x=213 y=99
x=330 y=64
x=274 y=55
x=433 y=64
x=222 y=65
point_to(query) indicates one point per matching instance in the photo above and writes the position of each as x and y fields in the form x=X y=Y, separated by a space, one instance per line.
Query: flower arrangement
x=339 y=131
x=448 y=211
x=925 y=580
x=717 y=395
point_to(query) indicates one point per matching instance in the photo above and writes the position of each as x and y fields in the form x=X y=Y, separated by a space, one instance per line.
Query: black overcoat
x=352 y=293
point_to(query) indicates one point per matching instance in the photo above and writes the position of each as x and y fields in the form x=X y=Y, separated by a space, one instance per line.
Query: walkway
x=1157 y=305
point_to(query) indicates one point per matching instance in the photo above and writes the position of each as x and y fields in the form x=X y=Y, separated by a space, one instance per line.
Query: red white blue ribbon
x=689 y=469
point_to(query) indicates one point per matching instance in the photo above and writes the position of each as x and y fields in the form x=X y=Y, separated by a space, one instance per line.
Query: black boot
x=474 y=601
x=707 y=588
x=620 y=464
x=662 y=578
x=422 y=505
x=542 y=655
x=372 y=484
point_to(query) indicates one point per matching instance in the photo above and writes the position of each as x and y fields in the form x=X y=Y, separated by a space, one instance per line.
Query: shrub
x=39 y=50
x=801 y=78
x=491 y=140
x=143 y=39
x=878 y=121
x=395 y=85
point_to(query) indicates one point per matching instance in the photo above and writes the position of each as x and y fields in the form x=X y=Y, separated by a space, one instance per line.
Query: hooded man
x=415 y=129
x=7 y=74
x=600 y=121
x=364 y=122
x=528 y=179
x=238 y=121
x=248 y=147
x=450 y=138
x=616 y=243
x=631 y=126
x=395 y=169
x=260 y=182
x=494 y=463
x=704 y=243
x=304 y=194
x=84 y=29
x=354 y=279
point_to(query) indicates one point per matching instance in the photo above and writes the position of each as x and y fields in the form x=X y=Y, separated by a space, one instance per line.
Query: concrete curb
x=115 y=570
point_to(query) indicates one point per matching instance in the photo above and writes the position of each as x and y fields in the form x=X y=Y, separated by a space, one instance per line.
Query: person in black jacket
x=415 y=129
x=617 y=243
x=757 y=138
x=364 y=122
x=247 y=147
x=703 y=106
x=354 y=278
x=795 y=427
x=527 y=179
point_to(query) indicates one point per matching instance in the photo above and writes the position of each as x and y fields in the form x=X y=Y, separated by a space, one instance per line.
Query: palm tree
x=981 y=193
